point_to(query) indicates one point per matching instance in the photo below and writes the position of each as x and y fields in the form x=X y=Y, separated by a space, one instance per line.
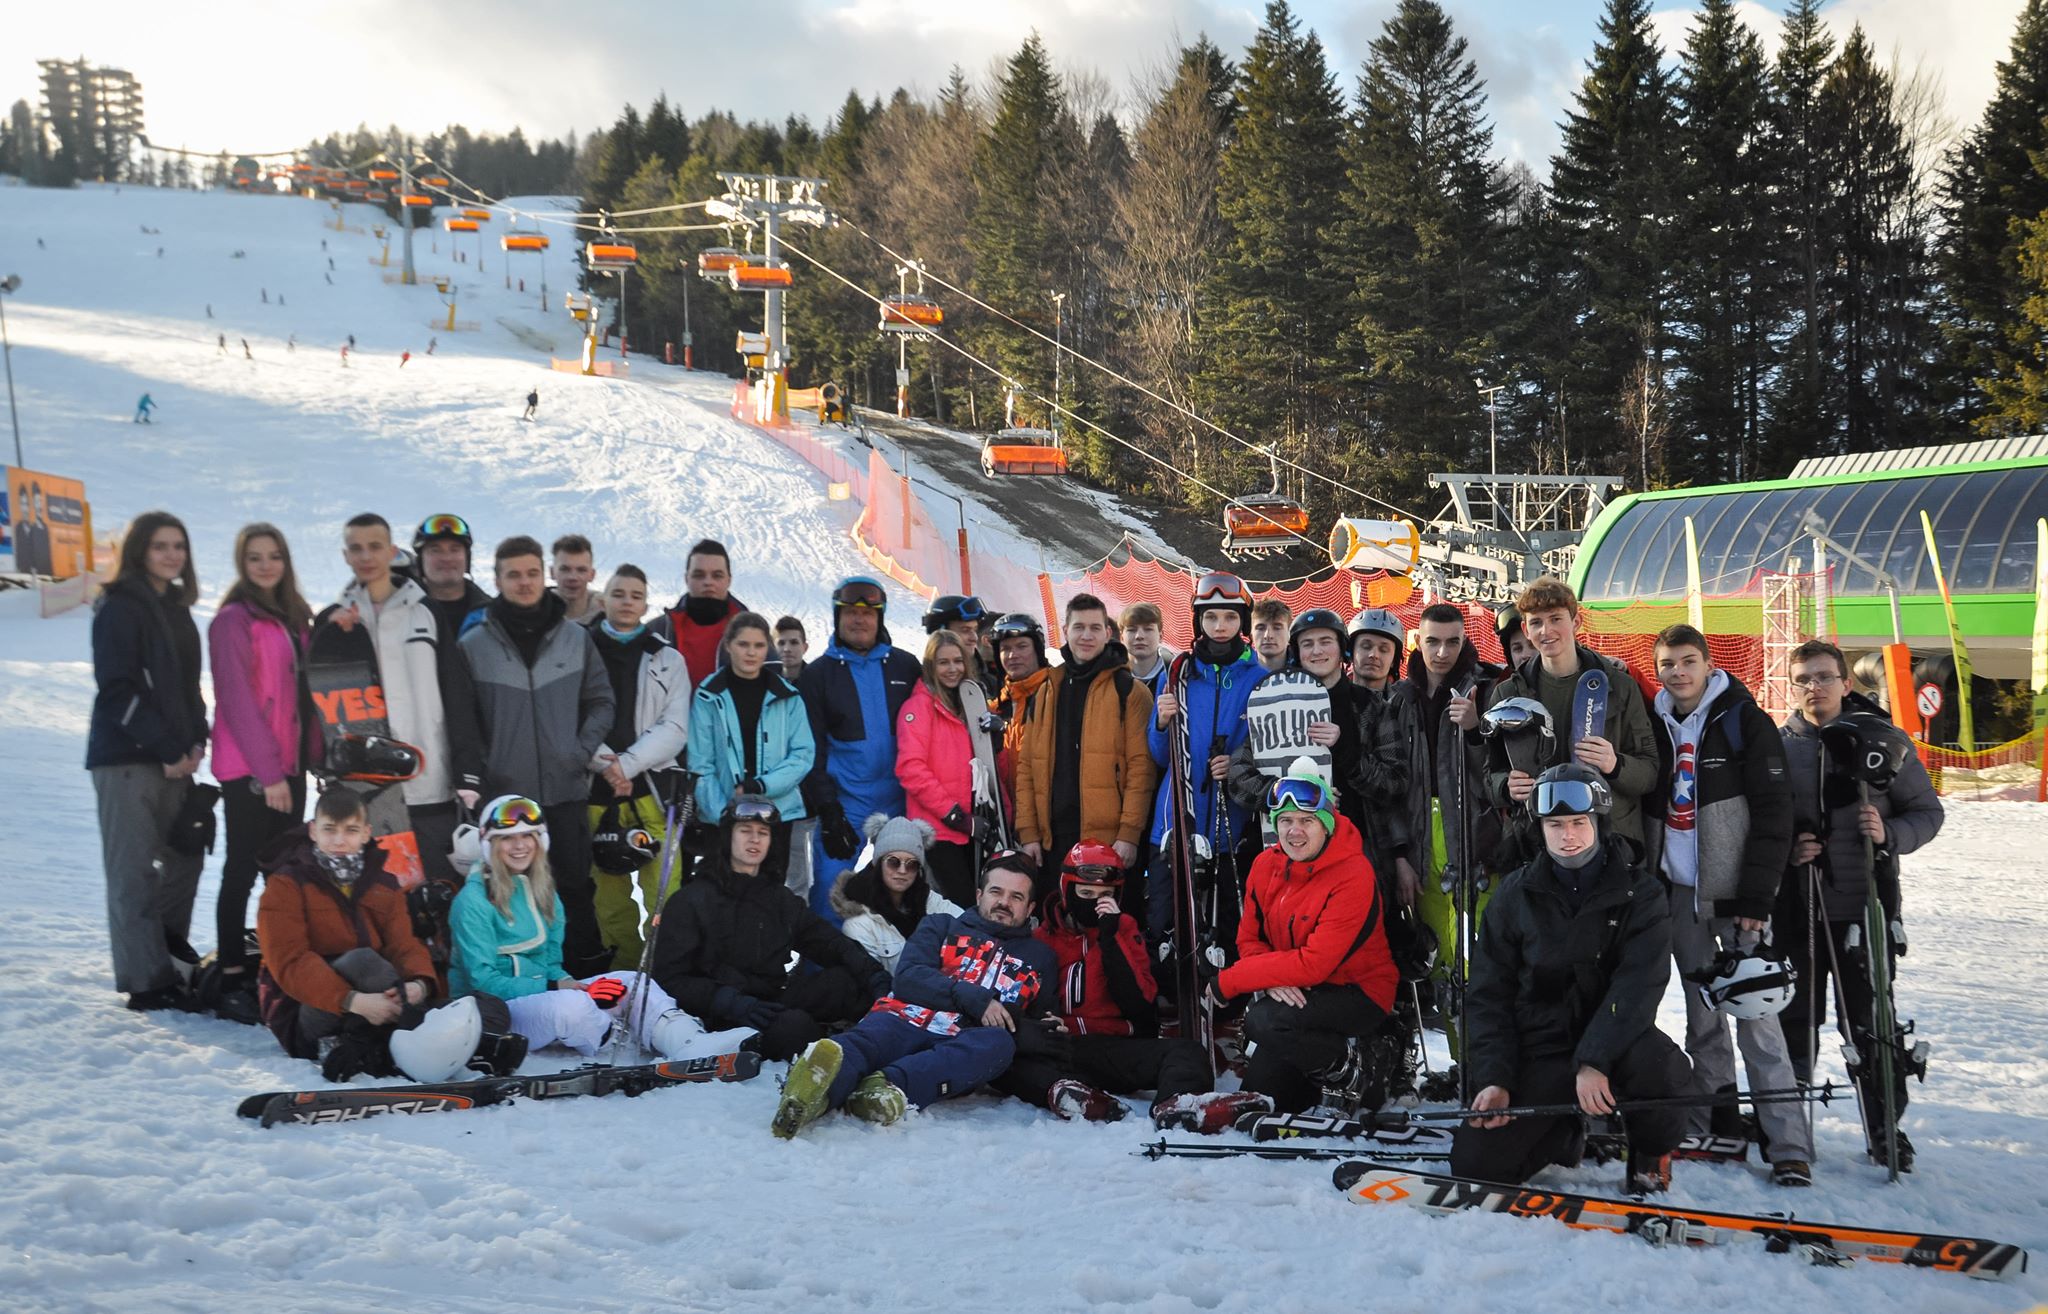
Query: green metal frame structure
x=1983 y=513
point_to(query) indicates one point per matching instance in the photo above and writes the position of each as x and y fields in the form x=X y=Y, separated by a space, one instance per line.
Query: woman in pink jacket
x=262 y=744
x=934 y=760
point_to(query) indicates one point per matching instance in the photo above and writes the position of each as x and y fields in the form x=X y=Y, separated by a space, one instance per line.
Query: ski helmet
x=1865 y=747
x=1505 y=622
x=1518 y=716
x=1749 y=985
x=444 y=526
x=512 y=814
x=1571 y=790
x=1376 y=620
x=1091 y=862
x=1015 y=624
x=374 y=759
x=1220 y=588
x=1315 y=618
x=619 y=848
x=439 y=1048
x=948 y=608
x=1302 y=789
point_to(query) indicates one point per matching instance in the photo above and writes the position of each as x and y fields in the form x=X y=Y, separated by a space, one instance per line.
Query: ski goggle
x=1094 y=873
x=860 y=593
x=1514 y=716
x=1569 y=798
x=755 y=809
x=970 y=608
x=1221 y=588
x=1014 y=626
x=445 y=526
x=1291 y=795
x=512 y=814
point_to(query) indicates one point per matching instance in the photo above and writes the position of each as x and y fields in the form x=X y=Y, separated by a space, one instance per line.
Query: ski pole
x=676 y=815
x=1822 y=1094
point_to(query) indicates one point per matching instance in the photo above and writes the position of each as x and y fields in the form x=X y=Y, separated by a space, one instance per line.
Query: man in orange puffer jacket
x=1313 y=948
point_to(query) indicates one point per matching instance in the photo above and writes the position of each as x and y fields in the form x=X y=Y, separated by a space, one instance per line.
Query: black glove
x=957 y=819
x=993 y=725
x=742 y=1008
x=1038 y=1039
x=760 y=1014
x=837 y=837
x=751 y=785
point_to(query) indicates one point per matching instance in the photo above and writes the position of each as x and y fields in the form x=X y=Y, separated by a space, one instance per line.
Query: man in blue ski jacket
x=853 y=694
x=1221 y=670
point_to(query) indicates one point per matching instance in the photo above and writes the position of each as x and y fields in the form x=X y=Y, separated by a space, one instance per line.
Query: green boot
x=804 y=1090
x=877 y=1100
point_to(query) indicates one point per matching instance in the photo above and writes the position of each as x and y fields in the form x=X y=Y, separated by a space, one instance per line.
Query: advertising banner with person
x=52 y=527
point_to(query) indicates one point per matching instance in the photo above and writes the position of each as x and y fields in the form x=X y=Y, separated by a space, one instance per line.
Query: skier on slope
x=1312 y=946
x=1102 y=1036
x=143 y=408
x=696 y=624
x=727 y=940
x=532 y=404
x=1573 y=958
x=1219 y=675
x=1625 y=756
x=1823 y=898
x=853 y=694
x=964 y=987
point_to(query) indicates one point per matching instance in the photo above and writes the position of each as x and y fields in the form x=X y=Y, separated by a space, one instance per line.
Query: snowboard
x=354 y=1103
x=993 y=827
x=1828 y=1244
x=348 y=697
x=1589 y=707
x=1281 y=709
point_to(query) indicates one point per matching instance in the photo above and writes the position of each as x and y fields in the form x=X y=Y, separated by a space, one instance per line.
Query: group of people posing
x=848 y=891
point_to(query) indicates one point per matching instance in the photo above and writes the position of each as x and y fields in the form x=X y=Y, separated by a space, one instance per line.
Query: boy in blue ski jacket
x=853 y=695
x=1222 y=671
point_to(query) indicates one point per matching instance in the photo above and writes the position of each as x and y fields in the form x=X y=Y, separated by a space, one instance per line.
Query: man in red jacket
x=1312 y=947
x=696 y=624
x=1102 y=1034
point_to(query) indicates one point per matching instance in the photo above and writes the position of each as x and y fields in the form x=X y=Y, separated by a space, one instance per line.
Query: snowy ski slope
x=126 y=1182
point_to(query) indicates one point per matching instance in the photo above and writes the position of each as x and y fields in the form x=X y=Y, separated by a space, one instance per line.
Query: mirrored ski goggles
x=1569 y=798
x=860 y=593
x=1220 y=587
x=1512 y=716
x=1298 y=795
x=444 y=526
x=507 y=813
x=755 y=809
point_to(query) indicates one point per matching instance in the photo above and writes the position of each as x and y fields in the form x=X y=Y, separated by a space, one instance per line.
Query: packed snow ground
x=129 y=1184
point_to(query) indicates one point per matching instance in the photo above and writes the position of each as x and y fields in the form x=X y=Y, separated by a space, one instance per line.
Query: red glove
x=606 y=991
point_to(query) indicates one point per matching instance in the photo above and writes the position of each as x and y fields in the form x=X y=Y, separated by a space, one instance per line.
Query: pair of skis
x=1190 y=934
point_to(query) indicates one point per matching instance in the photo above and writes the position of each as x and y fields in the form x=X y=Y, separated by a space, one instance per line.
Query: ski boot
x=877 y=1100
x=1356 y=1086
x=805 y=1089
x=1648 y=1174
x=1791 y=1172
x=1070 y=1099
x=1210 y=1112
x=1878 y=1155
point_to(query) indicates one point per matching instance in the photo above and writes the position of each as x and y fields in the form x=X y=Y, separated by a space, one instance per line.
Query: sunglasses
x=911 y=865
x=1301 y=795
x=513 y=812
x=860 y=593
x=443 y=526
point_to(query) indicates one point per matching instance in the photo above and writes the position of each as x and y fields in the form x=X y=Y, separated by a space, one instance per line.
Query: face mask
x=1082 y=911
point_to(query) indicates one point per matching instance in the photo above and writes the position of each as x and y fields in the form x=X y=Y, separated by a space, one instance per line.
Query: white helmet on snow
x=439 y=1048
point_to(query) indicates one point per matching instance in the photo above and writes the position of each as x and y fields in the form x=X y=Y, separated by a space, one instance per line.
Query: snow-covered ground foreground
x=127 y=1183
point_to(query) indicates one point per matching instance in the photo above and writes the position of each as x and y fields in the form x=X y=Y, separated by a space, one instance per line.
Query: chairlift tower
x=1496 y=530
x=769 y=201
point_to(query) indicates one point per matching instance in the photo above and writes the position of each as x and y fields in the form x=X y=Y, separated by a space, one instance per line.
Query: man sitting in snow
x=1103 y=1032
x=964 y=987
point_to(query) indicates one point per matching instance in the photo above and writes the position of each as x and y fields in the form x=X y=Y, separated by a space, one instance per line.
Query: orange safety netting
x=2011 y=770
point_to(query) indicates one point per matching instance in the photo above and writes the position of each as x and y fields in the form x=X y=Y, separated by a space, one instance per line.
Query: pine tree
x=1800 y=423
x=1269 y=340
x=1007 y=227
x=2020 y=400
x=1611 y=188
x=618 y=159
x=1724 y=242
x=1420 y=244
x=1991 y=189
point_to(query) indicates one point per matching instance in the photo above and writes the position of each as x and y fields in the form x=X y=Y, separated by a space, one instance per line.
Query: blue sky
x=282 y=71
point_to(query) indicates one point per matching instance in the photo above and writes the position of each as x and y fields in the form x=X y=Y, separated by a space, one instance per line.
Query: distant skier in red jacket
x=1312 y=946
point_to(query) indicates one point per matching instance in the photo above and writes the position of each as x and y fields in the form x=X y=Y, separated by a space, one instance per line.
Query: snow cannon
x=1393 y=546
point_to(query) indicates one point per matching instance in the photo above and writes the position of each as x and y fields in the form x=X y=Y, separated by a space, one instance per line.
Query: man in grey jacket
x=541 y=702
x=1720 y=831
x=1832 y=870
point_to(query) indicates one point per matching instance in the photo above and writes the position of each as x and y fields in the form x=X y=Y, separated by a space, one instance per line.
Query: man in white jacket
x=413 y=669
